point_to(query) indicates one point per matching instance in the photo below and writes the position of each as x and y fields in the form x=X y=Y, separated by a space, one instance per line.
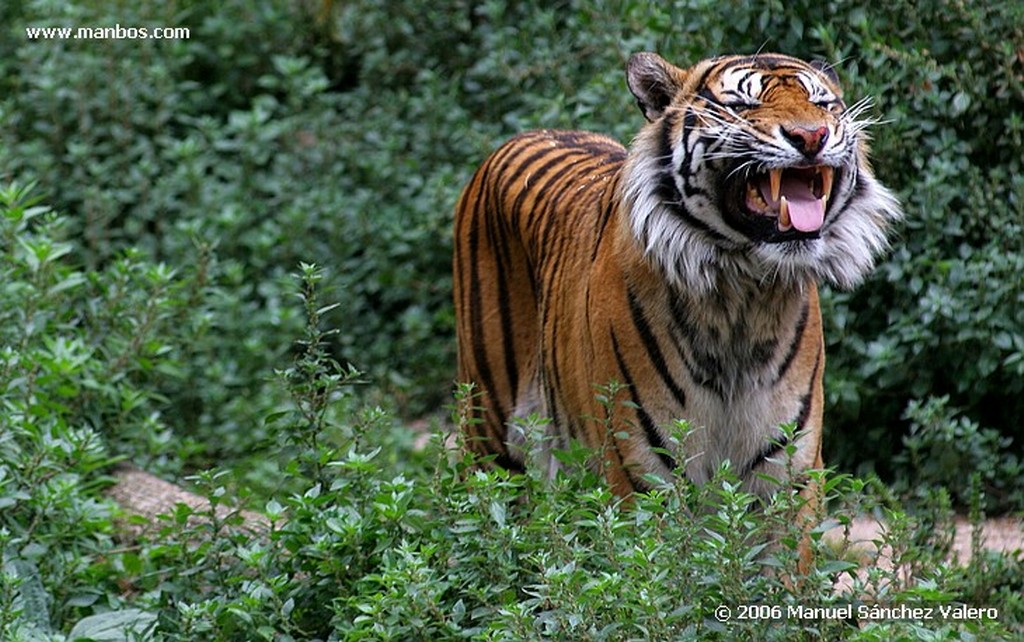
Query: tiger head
x=753 y=165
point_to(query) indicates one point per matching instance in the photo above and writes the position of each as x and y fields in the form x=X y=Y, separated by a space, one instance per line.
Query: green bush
x=941 y=442
x=367 y=536
x=943 y=316
x=436 y=550
x=81 y=355
x=340 y=133
x=172 y=316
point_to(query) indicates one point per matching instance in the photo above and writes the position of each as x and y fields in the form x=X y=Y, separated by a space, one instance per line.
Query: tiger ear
x=826 y=68
x=654 y=82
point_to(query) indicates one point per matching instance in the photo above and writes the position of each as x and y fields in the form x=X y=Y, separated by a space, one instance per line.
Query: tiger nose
x=806 y=141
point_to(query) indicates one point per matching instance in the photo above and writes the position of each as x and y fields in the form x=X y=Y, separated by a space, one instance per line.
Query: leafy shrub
x=245 y=168
x=368 y=551
x=942 y=446
x=945 y=305
x=340 y=133
x=368 y=537
x=158 y=320
x=81 y=353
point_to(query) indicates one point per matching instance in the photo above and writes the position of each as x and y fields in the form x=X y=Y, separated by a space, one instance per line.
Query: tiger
x=685 y=268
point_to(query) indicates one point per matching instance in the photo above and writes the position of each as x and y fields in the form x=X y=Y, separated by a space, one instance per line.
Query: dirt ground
x=1003 y=534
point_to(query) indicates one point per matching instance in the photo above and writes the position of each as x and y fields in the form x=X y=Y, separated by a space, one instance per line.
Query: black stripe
x=505 y=270
x=805 y=401
x=552 y=382
x=705 y=369
x=769 y=62
x=529 y=151
x=654 y=350
x=745 y=82
x=498 y=234
x=476 y=307
x=556 y=219
x=653 y=436
x=551 y=173
x=689 y=125
x=689 y=188
x=569 y=144
x=763 y=62
x=504 y=161
x=795 y=346
x=666 y=188
x=483 y=213
x=555 y=225
x=707 y=95
x=505 y=461
x=768 y=451
x=552 y=158
x=707 y=73
x=772 y=449
x=565 y=224
x=684 y=213
x=640 y=485
x=607 y=214
x=553 y=408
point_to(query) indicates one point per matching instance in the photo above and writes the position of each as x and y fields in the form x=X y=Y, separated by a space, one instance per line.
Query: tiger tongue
x=806 y=212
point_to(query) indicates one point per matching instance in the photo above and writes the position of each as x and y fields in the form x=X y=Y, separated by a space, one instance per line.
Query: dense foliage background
x=164 y=313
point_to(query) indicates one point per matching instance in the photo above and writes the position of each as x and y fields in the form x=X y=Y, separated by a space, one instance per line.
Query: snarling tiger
x=685 y=268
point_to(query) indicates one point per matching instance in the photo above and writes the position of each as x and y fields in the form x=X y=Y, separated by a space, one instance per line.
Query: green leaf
x=116 y=626
x=34 y=599
x=837 y=566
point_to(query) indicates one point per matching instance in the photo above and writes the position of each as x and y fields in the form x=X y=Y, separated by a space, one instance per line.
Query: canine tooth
x=784 y=221
x=775 y=176
x=826 y=181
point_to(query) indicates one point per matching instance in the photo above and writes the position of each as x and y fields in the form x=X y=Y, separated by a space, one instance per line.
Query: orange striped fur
x=673 y=268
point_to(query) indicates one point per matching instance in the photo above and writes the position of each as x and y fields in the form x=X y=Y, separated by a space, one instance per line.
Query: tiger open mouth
x=795 y=196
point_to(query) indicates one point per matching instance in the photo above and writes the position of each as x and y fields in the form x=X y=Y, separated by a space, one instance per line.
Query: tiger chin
x=685 y=268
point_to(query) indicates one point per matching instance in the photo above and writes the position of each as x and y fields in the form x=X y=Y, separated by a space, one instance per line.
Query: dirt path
x=1002 y=534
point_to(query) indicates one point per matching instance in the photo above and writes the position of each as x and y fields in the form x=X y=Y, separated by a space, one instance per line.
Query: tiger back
x=684 y=268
